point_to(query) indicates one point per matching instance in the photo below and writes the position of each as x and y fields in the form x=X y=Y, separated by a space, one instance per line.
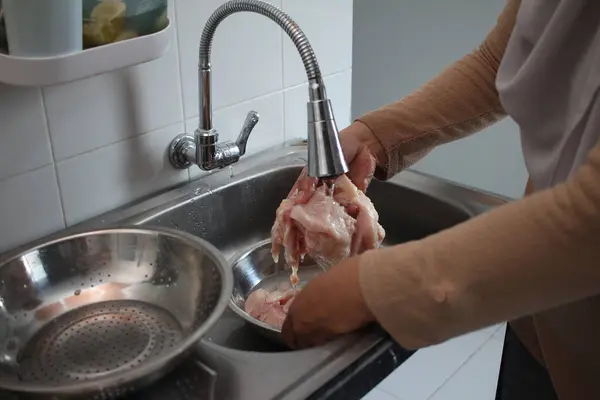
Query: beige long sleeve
x=519 y=259
x=460 y=101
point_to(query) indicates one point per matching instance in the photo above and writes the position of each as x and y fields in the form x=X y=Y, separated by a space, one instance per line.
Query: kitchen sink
x=238 y=215
x=234 y=209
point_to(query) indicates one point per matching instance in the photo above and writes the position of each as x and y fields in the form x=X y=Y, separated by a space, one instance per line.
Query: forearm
x=521 y=258
x=460 y=101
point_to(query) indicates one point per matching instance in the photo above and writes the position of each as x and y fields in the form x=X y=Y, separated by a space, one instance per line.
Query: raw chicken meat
x=270 y=307
x=328 y=228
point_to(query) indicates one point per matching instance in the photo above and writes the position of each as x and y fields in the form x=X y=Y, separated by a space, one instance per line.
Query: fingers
x=287 y=332
x=303 y=326
x=303 y=188
x=313 y=340
x=299 y=339
x=362 y=169
x=366 y=235
x=294 y=190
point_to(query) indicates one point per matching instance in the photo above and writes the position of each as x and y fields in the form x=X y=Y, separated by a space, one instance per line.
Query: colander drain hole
x=98 y=340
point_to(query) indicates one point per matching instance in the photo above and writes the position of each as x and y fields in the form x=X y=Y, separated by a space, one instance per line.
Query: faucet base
x=182 y=151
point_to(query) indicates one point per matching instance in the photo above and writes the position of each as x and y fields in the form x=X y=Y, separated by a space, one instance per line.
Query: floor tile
x=428 y=369
x=500 y=333
x=477 y=379
x=377 y=394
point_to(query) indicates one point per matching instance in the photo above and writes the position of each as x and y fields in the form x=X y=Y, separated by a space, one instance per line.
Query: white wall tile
x=228 y=121
x=339 y=92
x=24 y=143
x=477 y=379
x=29 y=207
x=328 y=26
x=108 y=134
x=92 y=113
x=246 y=55
x=427 y=370
x=112 y=176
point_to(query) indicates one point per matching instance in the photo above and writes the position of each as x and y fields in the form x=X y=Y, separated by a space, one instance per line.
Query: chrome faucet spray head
x=325 y=155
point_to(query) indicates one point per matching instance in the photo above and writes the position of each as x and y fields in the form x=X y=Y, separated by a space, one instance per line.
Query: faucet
x=325 y=156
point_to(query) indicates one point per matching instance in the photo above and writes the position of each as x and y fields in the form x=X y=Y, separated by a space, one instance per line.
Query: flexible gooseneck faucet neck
x=325 y=157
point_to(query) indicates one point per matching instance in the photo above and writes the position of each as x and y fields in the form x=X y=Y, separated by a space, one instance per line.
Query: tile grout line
x=376 y=389
x=394 y=396
x=166 y=126
x=27 y=171
x=260 y=96
x=54 y=163
x=177 y=41
x=119 y=141
x=329 y=75
x=463 y=364
x=178 y=49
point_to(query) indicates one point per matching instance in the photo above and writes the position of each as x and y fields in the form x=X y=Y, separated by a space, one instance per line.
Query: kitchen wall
x=401 y=44
x=70 y=152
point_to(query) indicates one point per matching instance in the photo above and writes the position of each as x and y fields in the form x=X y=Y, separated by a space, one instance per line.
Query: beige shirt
x=548 y=83
x=536 y=257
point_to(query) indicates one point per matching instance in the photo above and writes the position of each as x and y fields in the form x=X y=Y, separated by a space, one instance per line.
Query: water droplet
x=77 y=292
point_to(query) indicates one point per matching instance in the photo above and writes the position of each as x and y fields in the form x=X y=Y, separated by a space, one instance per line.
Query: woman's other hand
x=328 y=306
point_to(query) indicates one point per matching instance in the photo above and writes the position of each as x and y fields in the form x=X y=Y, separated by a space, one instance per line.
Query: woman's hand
x=358 y=144
x=328 y=306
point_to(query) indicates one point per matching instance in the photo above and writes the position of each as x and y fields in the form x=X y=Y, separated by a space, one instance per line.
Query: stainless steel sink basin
x=234 y=209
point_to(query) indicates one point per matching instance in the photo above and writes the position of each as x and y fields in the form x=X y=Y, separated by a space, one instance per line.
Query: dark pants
x=522 y=377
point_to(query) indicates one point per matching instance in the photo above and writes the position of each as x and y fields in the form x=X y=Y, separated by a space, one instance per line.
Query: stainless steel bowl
x=99 y=313
x=255 y=269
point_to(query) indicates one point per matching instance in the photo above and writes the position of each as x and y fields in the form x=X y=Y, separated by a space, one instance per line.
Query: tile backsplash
x=70 y=152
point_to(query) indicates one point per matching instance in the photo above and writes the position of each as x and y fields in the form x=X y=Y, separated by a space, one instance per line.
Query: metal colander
x=100 y=313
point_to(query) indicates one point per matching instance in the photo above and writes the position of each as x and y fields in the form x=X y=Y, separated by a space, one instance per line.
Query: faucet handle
x=251 y=120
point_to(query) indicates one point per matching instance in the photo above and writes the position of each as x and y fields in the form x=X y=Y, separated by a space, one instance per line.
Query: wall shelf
x=84 y=64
